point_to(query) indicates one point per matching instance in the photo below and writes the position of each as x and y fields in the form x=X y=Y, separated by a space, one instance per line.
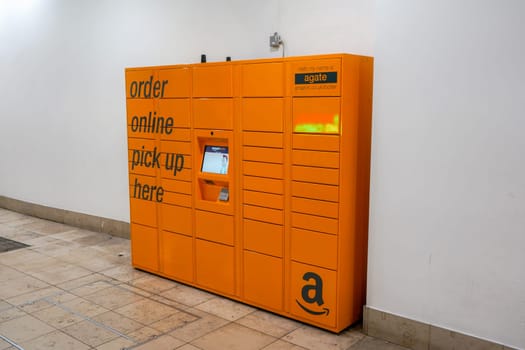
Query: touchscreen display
x=215 y=160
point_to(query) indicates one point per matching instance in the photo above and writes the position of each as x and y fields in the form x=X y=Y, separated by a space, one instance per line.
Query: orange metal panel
x=137 y=113
x=178 y=82
x=315 y=77
x=264 y=199
x=313 y=294
x=177 y=147
x=212 y=81
x=263 y=169
x=178 y=109
x=144 y=247
x=176 y=186
x=214 y=227
x=263 y=139
x=315 y=158
x=215 y=266
x=177 y=256
x=143 y=212
x=315 y=142
x=315 y=191
x=213 y=114
x=262 y=114
x=174 y=198
x=263 y=79
x=274 y=216
x=135 y=83
x=315 y=207
x=314 y=248
x=183 y=175
x=263 y=237
x=141 y=155
x=298 y=136
x=263 y=154
x=263 y=184
x=316 y=115
x=315 y=223
x=176 y=218
x=177 y=134
x=316 y=175
x=267 y=291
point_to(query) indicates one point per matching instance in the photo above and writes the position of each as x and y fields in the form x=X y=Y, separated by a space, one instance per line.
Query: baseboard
x=84 y=221
x=418 y=335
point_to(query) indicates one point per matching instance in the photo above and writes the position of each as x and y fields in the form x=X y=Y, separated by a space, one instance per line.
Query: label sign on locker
x=250 y=179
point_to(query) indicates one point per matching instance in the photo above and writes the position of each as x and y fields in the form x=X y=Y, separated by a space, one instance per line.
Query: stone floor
x=75 y=289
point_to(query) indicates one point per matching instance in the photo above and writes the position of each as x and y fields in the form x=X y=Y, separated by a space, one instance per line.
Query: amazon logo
x=312 y=294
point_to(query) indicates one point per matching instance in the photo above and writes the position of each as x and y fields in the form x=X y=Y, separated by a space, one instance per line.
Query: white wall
x=62 y=134
x=63 y=137
x=447 y=232
x=447 y=200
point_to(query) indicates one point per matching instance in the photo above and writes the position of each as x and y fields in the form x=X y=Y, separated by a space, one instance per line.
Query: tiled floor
x=75 y=289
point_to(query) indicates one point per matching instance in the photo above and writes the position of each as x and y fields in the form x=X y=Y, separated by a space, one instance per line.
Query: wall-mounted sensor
x=275 y=40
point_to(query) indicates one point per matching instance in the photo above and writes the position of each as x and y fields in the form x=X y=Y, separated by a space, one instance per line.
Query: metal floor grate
x=7 y=245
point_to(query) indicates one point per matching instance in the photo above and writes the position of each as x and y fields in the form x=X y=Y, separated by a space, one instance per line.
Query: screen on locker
x=215 y=160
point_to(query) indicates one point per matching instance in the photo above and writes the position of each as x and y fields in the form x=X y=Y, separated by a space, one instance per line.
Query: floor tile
x=24 y=328
x=43 y=241
x=176 y=320
x=83 y=281
x=4 y=345
x=187 y=295
x=61 y=274
x=138 y=291
x=57 y=317
x=116 y=344
x=47 y=227
x=54 y=341
x=144 y=334
x=10 y=314
x=169 y=302
x=35 y=295
x=89 y=333
x=55 y=249
x=314 y=338
x=153 y=284
x=26 y=220
x=268 y=323
x=115 y=246
x=164 y=342
x=91 y=288
x=118 y=322
x=84 y=307
x=82 y=284
x=93 y=238
x=233 y=337
x=204 y=325
x=5 y=305
x=282 y=345
x=20 y=286
x=188 y=347
x=113 y=297
x=99 y=264
x=17 y=258
x=60 y=298
x=369 y=343
x=123 y=273
x=146 y=311
x=8 y=274
x=225 y=308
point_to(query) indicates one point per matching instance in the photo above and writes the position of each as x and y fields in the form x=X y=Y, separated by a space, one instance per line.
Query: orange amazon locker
x=250 y=179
